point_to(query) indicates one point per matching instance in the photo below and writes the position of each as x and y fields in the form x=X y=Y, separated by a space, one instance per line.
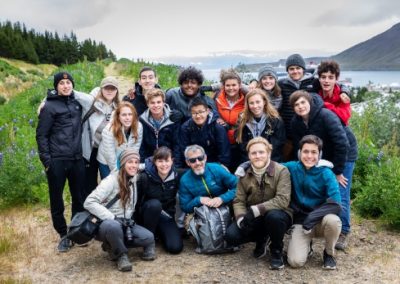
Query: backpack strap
x=112 y=201
x=91 y=111
x=206 y=186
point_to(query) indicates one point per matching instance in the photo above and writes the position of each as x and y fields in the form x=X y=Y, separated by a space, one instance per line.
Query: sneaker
x=123 y=263
x=149 y=253
x=329 y=262
x=64 y=245
x=341 y=243
x=276 y=260
x=260 y=249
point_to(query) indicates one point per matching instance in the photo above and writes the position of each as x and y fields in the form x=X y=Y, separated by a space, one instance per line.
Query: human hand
x=220 y=121
x=341 y=180
x=247 y=219
x=205 y=200
x=215 y=202
x=345 y=98
x=131 y=93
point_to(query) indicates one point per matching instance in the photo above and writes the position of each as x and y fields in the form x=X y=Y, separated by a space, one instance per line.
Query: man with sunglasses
x=205 y=183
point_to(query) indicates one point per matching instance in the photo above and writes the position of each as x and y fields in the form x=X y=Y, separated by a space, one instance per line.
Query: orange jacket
x=229 y=114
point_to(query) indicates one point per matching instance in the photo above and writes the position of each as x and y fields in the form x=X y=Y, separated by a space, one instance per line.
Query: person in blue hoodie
x=204 y=130
x=158 y=186
x=315 y=201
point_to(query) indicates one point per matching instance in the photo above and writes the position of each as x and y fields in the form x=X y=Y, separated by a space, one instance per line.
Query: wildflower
x=1 y=159
x=14 y=120
x=32 y=153
x=379 y=156
x=30 y=121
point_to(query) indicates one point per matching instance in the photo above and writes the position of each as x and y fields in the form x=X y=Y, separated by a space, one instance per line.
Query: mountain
x=382 y=52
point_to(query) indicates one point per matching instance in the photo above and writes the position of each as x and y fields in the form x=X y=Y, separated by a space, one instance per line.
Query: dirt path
x=125 y=83
x=373 y=257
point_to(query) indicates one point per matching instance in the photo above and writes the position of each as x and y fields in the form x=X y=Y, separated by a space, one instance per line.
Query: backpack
x=208 y=226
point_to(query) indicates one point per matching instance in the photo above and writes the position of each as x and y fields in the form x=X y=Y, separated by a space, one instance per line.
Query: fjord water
x=359 y=78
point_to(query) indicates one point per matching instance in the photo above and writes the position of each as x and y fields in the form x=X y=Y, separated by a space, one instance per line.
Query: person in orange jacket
x=230 y=104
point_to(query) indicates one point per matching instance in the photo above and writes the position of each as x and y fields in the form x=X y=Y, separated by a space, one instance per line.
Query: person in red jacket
x=230 y=104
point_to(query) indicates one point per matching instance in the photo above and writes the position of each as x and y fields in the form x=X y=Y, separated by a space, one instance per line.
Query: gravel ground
x=372 y=257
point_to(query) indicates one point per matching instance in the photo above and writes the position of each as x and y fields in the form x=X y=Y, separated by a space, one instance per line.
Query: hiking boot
x=149 y=253
x=123 y=263
x=64 y=245
x=260 y=250
x=329 y=262
x=341 y=243
x=276 y=260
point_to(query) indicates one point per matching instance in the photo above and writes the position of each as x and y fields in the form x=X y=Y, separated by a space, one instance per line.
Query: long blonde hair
x=117 y=127
x=247 y=115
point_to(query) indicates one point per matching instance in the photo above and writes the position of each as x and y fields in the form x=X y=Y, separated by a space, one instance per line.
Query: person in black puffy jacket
x=158 y=186
x=58 y=135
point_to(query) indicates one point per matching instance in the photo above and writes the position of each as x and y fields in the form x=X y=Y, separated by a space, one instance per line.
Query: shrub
x=22 y=177
x=2 y=100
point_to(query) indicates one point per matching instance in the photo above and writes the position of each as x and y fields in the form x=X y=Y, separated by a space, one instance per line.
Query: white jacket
x=109 y=149
x=103 y=111
x=96 y=202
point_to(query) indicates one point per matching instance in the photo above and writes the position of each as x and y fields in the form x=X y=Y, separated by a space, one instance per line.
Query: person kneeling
x=117 y=230
x=261 y=204
x=316 y=205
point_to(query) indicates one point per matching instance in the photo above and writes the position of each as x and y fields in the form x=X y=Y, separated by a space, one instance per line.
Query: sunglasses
x=193 y=160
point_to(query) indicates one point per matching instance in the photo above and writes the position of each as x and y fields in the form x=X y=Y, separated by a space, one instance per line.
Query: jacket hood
x=316 y=105
x=151 y=170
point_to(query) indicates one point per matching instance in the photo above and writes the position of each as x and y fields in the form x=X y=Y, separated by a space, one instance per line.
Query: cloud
x=359 y=13
x=59 y=15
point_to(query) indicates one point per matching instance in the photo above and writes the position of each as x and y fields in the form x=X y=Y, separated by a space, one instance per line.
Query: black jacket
x=150 y=186
x=211 y=136
x=327 y=126
x=308 y=83
x=274 y=132
x=59 y=131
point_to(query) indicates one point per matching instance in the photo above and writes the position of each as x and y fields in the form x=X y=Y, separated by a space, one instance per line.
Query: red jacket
x=228 y=114
x=335 y=104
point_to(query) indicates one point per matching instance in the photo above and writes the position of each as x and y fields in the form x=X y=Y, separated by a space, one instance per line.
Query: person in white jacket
x=98 y=107
x=123 y=132
x=113 y=228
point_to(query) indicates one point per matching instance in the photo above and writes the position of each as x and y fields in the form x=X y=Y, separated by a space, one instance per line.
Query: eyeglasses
x=198 y=113
x=193 y=160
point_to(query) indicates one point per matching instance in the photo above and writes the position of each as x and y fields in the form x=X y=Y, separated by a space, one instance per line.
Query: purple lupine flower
x=14 y=120
x=30 y=121
x=379 y=156
x=1 y=159
x=32 y=153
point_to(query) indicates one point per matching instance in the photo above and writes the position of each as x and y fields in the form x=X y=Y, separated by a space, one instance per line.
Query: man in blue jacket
x=205 y=183
x=315 y=201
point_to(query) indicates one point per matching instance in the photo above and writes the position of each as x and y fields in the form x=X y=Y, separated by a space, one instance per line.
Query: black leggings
x=161 y=225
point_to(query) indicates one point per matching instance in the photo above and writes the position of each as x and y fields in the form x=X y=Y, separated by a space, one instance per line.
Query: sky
x=157 y=30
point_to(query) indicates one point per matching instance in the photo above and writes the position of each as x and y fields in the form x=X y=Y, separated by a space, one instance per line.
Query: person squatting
x=279 y=154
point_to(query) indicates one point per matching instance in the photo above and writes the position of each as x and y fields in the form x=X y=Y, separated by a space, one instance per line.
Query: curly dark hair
x=191 y=73
x=329 y=66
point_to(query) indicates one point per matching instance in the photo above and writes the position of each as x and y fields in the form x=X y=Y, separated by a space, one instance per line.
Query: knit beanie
x=125 y=156
x=267 y=70
x=295 y=60
x=109 y=81
x=60 y=76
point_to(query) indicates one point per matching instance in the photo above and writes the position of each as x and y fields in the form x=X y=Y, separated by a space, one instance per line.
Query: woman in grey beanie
x=268 y=81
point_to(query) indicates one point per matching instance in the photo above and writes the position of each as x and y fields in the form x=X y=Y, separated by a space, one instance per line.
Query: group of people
x=280 y=153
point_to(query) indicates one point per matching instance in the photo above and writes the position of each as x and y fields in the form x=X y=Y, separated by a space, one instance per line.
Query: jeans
x=111 y=232
x=104 y=170
x=345 y=197
x=273 y=224
x=165 y=227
